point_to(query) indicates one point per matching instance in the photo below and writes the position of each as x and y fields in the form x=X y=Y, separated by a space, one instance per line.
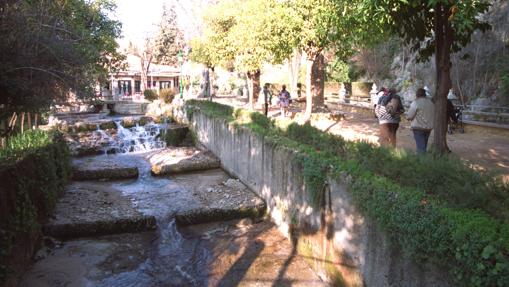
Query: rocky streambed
x=191 y=225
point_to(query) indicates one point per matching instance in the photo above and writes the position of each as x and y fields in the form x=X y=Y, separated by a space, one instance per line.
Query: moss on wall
x=32 y=176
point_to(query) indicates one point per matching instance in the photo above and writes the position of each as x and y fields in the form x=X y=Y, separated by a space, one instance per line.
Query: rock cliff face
x=480 y=71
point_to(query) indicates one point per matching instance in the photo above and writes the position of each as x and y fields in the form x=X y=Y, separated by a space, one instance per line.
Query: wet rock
x=89 y=209
x=108 y=125
x=128 y=122
x=86 y=151
x=234 y=183
x=178 y=160
x=111 y=151
x=175 y=135
x=145 y=120
x=102 y=168
x=101 y=227
x=206 y=215
x=228 y=199
x=79 y=173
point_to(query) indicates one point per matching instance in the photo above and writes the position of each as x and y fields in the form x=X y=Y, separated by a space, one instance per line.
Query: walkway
x=483 y=149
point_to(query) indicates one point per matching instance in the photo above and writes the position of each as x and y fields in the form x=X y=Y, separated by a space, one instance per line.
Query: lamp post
x=180 y=60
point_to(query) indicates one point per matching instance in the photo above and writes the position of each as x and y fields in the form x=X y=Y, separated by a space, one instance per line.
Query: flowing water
x=128 y=140
x=173 y=260
x=165 y=257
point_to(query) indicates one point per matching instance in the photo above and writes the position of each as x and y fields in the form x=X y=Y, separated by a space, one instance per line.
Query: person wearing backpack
x=388 y=111
x=421 y=113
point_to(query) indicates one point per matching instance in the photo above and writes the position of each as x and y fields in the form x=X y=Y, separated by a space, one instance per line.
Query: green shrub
x=436 y=209
x=21 y=144
x=150 y=95
x=167 y=95
x=34 y=168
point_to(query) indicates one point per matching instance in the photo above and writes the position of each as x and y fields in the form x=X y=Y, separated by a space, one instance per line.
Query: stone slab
x=224 y=200
x=90 y=209
x=102 y=168
x=98 y=261
x=184 y=159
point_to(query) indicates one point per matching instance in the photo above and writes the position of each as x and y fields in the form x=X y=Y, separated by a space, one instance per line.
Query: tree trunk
x=254 y=87
x=12 y=122
x=309 y=95
x=22 y=124
x=212 y=82
x=29 y=116
x=318 y=80
x=145 y=61
x=443 y=34
x=35 y=121
x=294 y=69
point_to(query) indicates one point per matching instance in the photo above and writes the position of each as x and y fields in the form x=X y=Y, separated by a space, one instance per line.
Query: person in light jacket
x=422 y=114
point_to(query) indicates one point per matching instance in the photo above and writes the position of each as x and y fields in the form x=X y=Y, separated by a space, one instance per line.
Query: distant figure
x=451 y=95
x=388 y=111
x=427 y=92
x=284 y=100
x=267 y=98
x=451 y=112
x=421 y=113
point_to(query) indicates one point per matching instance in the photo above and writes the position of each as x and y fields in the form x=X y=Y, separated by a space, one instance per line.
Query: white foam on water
x=129 y=140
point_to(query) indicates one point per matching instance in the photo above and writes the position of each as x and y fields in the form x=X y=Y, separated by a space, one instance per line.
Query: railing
x=484 y=113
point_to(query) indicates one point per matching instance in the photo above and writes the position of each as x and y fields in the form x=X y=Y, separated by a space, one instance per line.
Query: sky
x=140 y=17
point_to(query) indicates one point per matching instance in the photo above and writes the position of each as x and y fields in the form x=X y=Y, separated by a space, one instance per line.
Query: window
x=165 y=85
x=124 y=88
x=137 y=86
x=151 y=85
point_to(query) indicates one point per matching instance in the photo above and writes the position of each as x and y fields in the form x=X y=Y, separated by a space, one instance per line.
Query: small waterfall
x=101 y=138
x=139 y=139
x=127 y=140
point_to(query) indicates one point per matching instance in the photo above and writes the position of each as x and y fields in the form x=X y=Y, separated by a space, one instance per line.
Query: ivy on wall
x=437 y=209
x=35 y=166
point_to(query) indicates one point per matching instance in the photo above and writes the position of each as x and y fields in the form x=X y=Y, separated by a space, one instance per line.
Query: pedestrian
x=388 y=111
x=376 y=97
x=267 y=98
x=284 y=100
x=421 y=113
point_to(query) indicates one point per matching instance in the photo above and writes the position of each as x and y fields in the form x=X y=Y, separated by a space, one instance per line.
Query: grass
x=25 y=143
x=436 y=208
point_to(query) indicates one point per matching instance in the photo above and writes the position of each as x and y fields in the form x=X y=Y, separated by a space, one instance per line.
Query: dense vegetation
x=239 y=35
x=34 y=168
x=52 y=49
x=457 y=220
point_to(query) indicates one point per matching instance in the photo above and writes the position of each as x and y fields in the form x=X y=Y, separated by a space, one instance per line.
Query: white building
x=126 y=85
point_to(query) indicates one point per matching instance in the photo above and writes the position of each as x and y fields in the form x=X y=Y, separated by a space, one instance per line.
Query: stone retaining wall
x=339 y=243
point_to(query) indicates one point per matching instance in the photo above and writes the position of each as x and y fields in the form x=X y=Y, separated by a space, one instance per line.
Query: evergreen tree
x=169 y=40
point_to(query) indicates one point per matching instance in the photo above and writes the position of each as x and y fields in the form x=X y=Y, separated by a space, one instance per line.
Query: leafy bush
x=34 y=168
x=167 y=95
x=436 y=209
x=24 y=143
x=150 y=95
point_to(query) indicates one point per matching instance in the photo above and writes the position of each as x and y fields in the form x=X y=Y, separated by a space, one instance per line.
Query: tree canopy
x=49 y=48
x=246 y=34
x=169 y=39
x=415 y=21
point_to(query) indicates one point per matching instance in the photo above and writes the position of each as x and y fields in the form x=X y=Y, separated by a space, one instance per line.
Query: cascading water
x=138 y=139
x=127 y=140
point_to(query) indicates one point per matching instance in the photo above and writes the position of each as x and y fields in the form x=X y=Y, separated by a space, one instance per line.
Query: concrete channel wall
x=340 y=244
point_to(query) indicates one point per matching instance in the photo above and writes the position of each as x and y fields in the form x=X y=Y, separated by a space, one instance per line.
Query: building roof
x=155 y=70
